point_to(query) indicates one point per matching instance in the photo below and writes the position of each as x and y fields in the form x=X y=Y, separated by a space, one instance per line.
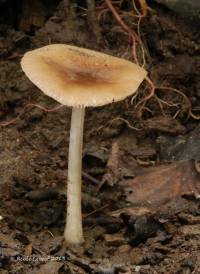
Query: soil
x=141 y=182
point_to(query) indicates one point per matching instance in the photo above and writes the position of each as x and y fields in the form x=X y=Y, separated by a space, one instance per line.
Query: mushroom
x=79 y=78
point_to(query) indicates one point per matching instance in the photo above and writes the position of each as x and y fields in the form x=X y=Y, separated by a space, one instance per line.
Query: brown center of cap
x=80 y=77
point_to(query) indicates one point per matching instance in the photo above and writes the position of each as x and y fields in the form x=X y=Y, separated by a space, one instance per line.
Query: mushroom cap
x=80 y=77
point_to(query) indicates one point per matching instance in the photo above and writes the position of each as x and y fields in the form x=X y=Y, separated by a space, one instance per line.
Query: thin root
x=14 y=120
x=126 y=122
x=135 y=38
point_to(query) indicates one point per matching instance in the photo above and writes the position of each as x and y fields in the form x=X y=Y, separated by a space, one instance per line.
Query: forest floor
x=145 y=216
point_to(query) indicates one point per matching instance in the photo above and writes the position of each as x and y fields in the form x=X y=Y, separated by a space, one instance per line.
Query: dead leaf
x=8 y=241
x=190 y=230
x=181 y=148
x=191 y=149
x=197 y=165
x=113 y=171
x=28 y=250
x=132 y=211
x=164 y=124
x=143 y=152
x=189 y=218
x=120 y=164
x=9 y=247
x=158 y=185
x=51 y=267
x=115 y=239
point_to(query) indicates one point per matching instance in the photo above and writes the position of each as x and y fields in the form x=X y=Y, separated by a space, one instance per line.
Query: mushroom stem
x=74 y=231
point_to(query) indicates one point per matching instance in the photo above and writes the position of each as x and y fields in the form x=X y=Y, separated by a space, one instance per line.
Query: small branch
x=90 y=178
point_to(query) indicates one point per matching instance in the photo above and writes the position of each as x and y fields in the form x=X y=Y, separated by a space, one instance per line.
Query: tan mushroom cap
x=80 y=77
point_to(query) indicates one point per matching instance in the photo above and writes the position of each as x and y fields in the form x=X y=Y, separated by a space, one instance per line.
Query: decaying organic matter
x=130 y=144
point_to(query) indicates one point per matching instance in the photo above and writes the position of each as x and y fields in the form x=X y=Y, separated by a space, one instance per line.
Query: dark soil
x=141 y=200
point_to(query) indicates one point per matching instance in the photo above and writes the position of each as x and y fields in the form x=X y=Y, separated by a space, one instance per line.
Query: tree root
x=135 y=38
x=26 y=107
